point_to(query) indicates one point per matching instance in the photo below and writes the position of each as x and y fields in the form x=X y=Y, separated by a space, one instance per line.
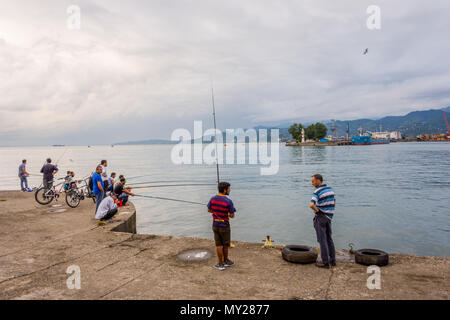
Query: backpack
x=91 y=184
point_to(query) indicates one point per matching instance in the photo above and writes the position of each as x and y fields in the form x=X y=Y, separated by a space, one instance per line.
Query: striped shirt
x=221 y=206
x=324 y=200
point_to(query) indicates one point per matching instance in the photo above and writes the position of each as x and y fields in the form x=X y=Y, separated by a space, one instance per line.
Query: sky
x=137 y=70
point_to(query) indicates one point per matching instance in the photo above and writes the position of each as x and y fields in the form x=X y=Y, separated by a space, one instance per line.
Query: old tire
x=369 y=257
x=299 y=254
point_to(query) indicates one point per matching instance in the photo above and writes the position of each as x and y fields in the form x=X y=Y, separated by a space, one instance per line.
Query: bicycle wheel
x=72 y=199
x=44 y=196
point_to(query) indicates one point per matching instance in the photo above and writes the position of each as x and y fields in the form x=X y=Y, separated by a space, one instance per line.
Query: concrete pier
x=39 y=244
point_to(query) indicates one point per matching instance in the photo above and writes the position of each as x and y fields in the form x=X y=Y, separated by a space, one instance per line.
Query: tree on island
x=296 y=131
x=315 y=131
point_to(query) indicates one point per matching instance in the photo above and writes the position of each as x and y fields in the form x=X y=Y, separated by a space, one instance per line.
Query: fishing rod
x=173 y=185
x=215 y=130
x=173 y=181
x=171 y=199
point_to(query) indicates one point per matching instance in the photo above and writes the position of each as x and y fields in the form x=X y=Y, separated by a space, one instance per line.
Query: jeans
x=98 y=199
x=47 y=184
x=322 y=224
x=124 y=197
x=23 y=181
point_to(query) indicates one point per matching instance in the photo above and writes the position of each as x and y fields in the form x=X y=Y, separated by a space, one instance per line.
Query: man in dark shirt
x=222 y=209
x=48 y=170
x=122 y=192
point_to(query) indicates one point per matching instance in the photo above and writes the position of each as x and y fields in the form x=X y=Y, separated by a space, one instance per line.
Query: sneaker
x=219 y=267
x=321 y=265
x=228 y=263
x=29 y=190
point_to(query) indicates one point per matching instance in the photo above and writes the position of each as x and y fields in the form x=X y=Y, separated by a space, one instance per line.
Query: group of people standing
x=322 y=203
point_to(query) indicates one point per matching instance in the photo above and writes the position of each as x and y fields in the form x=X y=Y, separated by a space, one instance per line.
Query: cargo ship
x=367 y=140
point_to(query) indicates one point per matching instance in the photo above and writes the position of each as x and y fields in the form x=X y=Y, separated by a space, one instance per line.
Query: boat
x=367 y=140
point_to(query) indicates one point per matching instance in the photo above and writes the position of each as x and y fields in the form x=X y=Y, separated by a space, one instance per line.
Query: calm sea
x=392 y=197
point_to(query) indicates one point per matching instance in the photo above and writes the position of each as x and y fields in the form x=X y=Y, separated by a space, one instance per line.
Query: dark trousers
x=124 y=197
x=322 y=224
x=110 y=214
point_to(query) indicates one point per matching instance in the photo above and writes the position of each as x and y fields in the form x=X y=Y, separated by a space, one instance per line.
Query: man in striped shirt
x=222 y=209
x=323 y=203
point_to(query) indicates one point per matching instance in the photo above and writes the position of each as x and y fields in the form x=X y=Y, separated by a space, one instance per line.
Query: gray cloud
x=145 y=66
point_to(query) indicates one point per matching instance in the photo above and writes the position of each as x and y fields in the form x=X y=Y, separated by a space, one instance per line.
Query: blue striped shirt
x=324 y=200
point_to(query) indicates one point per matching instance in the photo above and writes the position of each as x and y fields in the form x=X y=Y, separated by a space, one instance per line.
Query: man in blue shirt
x=323 y=203
x=23 y=174
x=97 y=188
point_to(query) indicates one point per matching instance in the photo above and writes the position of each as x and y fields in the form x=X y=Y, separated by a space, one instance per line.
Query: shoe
x=321 y=265
x=29 y=190
x=333 y=264
x=219 y=267
x=228 y=263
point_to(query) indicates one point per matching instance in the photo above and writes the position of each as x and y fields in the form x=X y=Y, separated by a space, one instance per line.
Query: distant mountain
x=411 y=125
x=150 y=141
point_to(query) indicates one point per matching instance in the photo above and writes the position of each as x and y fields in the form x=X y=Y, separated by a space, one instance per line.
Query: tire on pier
x=369 y=257
x=299 y=254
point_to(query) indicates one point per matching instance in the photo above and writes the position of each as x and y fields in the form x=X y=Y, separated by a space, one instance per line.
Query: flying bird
x=365 y=51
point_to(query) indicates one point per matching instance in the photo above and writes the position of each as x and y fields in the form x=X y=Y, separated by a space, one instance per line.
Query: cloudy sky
x=140 y=69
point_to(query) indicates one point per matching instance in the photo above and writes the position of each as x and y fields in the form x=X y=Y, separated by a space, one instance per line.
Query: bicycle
x=75 y=195
x=45 y=196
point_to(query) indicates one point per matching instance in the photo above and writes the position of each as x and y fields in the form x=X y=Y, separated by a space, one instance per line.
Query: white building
x=397 y=135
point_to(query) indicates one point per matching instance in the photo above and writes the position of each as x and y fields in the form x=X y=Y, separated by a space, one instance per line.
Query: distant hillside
x=150 y=141
x=411 y=125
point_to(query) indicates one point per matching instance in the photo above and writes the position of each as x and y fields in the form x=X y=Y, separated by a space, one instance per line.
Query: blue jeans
x=322 y=224
x=23 y=181
x=98 y=199
x=124 y=197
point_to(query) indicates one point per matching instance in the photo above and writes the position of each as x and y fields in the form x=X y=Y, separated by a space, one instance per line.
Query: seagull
x=365 y=51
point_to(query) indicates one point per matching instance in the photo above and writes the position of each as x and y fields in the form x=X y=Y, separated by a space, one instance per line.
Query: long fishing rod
x=215 y=131
x=173 y=185
x=172 y=181
x=171 y=199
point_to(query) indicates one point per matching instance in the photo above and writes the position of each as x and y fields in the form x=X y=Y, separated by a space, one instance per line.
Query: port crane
x=446 y=122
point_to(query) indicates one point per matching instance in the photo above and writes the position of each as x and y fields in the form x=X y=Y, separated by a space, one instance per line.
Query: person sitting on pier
x=107 y=208
x=122 y=192
x=111 y=182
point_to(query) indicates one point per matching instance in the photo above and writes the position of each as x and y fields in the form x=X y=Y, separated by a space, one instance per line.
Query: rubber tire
x=299 y=254
x=68 y=195
x=370 y=257
x=38 y=191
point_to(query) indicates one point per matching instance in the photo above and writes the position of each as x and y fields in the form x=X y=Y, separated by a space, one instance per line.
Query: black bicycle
x=74 y=195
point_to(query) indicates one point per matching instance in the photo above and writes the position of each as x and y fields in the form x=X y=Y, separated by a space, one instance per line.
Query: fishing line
x=170 y=199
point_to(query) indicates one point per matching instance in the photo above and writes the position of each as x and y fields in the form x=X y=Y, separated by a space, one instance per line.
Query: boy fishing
x=222 y=209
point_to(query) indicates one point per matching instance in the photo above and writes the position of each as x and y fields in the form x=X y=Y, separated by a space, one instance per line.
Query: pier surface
x=39 y=244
